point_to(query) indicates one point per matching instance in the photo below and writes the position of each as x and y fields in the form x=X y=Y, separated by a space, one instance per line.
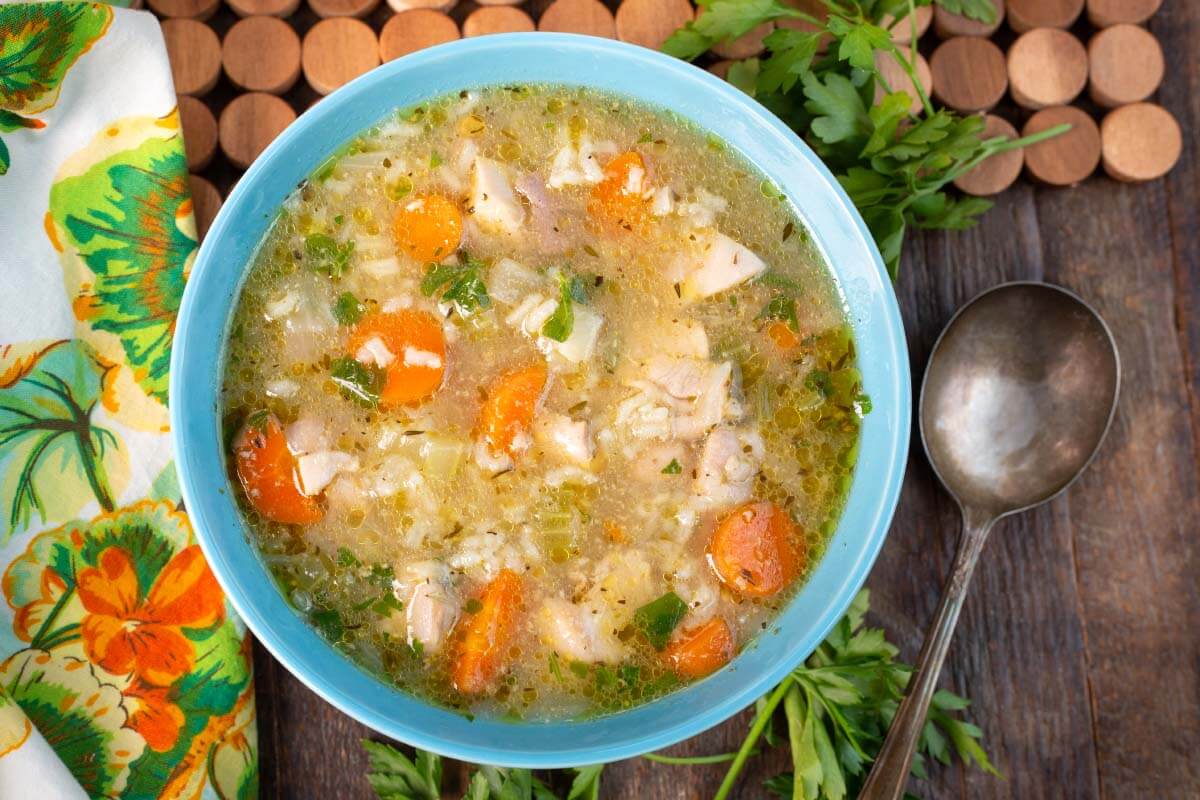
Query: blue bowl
x=656 y=80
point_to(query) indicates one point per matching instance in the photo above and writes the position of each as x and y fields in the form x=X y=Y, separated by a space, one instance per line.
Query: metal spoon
x=1020 y=390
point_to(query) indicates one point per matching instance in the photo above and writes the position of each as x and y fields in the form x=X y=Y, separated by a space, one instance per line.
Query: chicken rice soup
x=541 y=401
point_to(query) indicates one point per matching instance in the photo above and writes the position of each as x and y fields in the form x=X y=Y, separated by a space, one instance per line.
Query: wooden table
x=1080 y=643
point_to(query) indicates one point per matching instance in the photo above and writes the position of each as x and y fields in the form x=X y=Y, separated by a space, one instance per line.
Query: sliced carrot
x=755 y=551
x=618 y=199
x=701 y=651
x=783 y=336
x=267 y=471
x=507 y=412
x=615 y=533
x=427 y=227
x=482 y=639
x=415 y=340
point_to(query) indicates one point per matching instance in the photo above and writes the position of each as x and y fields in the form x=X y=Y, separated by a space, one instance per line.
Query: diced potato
x=723 y=264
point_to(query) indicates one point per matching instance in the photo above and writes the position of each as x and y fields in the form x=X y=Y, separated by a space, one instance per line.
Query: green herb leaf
x=460 y=284
x=386 y=604
x=782 y=308
x=674 y=468
x=586 y=785
x=347 y=310
x=560 y=324
x=658 y=619
x=345 y=558
x=357 y=381
x=324 y=254
x=435 y=160
x=329 y=623
x=394 y=776
x=981 y=10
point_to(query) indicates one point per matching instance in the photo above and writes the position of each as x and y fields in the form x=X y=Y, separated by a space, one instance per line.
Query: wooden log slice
x=650 y=22
x=199 y=132
x=445 y=6
x=1125 y=65
x=899 y=81
x=1103 y=13
x=1025 y=15
x=342 y=8
x=250 y=123
x=902 y=30
x=1046 y=67
x=497 y=19
x=1140 y=142
x=410 y=31
x=1000 y=171
x=1067 y=159
x=206 y=202
x=336 y=51
x=185 y=9
x=590 y=17
x=262 y=54
x=947 y=24
x=969 y=73
x=265 y=8
x=195 y=55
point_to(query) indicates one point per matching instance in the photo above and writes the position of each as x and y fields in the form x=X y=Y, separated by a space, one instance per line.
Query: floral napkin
x=123 y=671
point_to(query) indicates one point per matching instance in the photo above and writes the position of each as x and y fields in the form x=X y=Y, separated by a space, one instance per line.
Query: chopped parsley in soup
x=541 y=401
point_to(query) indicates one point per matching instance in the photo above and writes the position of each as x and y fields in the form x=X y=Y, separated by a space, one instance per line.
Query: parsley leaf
x=347 y=310
x=324 y=254
x=560 y=324
x=460 y=284
x=345 y=558
x=395 y=776
x=658 y=618
x=782 y=308
x=674 y=468
x=981 y=10
x=357 y=381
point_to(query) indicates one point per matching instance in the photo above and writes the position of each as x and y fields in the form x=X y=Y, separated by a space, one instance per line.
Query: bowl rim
x=493 y=741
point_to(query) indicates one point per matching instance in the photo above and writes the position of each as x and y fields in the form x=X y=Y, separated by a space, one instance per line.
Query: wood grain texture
x=1079 y=643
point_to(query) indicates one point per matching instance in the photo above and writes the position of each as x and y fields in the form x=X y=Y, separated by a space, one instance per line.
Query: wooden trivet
x=969 y=73
x=1067 y=159
x=947 y=24
x=262 y=54
x=1103 y=13
x=998 y=172
x=1125 y=65
x=1046 y=67
x=650 y=22
x=250 y=123
x=590 y=17
x=199 y=132
x=1140 y=142
x=1025 y=15
x=336 y=51
x=497 y=19
x=410 y=31
x=195 y=55
x=206 y=202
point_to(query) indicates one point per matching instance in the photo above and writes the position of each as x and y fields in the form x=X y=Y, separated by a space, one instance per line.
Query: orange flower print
x=125 y=634
x=154 y=715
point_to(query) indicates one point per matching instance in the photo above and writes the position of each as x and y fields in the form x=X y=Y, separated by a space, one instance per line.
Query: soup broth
x=541 y=401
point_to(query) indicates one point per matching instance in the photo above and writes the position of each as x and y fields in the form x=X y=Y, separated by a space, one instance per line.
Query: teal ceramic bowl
x=657 y=80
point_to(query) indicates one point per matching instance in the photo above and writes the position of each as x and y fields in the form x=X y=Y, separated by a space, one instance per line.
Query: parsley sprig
x=832 y=712
x=894 y=163
x=460 y=284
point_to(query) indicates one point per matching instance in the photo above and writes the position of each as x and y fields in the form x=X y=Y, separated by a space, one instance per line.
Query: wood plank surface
x=1080 y=642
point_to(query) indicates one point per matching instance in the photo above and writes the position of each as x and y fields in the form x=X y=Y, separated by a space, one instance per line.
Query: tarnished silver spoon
x=1018 y=395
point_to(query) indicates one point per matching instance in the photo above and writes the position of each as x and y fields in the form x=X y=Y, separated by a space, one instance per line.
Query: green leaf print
x=79 y=715
x=50 y=448
x=122 y=217
x=39 y=42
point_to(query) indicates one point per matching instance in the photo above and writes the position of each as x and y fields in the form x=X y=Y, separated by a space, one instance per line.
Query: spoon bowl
x=1019 y=392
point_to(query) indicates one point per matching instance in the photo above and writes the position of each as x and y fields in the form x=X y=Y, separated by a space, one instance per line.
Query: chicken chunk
x=729 y=460
x=496 y=207
x=431 y=604
x=567 y=438
x=316 y=470
x=580 y=632
x=722 y=264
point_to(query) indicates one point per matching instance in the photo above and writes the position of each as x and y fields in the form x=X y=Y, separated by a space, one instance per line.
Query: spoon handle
x=890 y=772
